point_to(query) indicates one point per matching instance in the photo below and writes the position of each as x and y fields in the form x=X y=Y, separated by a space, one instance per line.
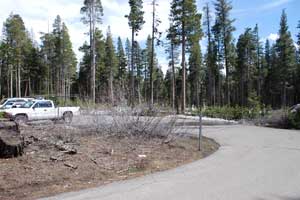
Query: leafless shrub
x=124 y=121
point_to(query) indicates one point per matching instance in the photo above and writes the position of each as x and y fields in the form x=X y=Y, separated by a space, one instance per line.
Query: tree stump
x=11 y=142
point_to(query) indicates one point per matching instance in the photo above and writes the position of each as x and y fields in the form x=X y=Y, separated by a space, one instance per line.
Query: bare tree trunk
x=183 y=104
x=139 y=93
x=219 y=89
x=51 y=81
x=93 y=61
x=173 y=77
x=209 y=63
x=145 y=84
x=152 y=55
x=29 y=84
x=132 y=93
x=16 y=82
x=11 y=83
x=227 y=84
x=19 y=80
x=214 y=91
x=26 y=89
x=111 y=86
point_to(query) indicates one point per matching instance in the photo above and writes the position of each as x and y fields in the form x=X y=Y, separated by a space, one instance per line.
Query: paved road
x=252 y=163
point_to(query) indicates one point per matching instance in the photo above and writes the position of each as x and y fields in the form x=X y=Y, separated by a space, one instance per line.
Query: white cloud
x=274 y=4
x=260 y=8
x=39 y=17
x=273 y=37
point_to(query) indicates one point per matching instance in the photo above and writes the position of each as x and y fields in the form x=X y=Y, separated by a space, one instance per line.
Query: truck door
x=42 y=110
x=51 y=110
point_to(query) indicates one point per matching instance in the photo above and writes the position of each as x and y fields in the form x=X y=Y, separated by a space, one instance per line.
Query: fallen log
x=68 y=149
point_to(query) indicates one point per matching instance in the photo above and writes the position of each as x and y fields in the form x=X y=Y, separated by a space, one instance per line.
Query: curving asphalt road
x=252 y=163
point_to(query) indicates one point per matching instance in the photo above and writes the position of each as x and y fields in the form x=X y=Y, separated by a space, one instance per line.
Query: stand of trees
x=232 y=72
x=27 y=69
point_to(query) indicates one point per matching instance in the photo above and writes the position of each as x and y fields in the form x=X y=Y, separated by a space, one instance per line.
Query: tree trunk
x=29 y=88
x=19 y=80
x=227 y=84
x=209 y=61
x=92 y=43
x=11 y=82
x=173 y=77
x=111 y=86
x=183 y=104
x=139 y=93
x=132 y=93
x=11 y=143
x=152 y=56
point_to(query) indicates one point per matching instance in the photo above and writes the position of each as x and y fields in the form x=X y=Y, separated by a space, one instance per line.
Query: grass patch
x=1 y=114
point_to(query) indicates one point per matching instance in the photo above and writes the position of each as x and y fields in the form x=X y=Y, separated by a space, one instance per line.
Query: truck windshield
x=27 y=104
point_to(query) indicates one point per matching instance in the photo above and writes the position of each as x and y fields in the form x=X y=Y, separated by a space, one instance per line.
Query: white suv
x=13 y=102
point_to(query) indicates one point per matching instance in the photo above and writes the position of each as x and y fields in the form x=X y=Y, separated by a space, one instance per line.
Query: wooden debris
x=68 y=149
x=70 y=165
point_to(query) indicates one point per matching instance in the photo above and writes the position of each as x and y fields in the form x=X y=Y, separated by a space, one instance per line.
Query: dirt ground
x=61 y=159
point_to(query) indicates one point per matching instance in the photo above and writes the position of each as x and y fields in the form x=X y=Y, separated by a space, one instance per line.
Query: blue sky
x=37 y=13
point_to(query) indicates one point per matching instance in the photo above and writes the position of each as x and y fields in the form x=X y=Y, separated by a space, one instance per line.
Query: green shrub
x=294 y=120
x=231 y=113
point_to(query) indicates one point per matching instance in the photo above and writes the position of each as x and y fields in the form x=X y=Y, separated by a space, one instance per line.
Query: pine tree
x=267 y=69
x=172 y=51
x=84 y=71
x=246 y=69
x=69 y=62
x=122 y=63
x=155 y=23
x=259 y=56
x=59 y=60
x=298 y=65
x=223 y=29
x=92 y=11
x=110 y=64
x=135 y=22
x=298 y=43
x=147 y=56
x=138 y=71
x=102 y=72
x=184 y=19
x=15 y=37
x=48 y=51
x=128 y=54
x=210 y=65
x=196 y=74
x=285 y=50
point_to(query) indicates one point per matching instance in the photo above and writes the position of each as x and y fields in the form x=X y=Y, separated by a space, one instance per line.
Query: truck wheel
x=67 y=117
x=21 y=119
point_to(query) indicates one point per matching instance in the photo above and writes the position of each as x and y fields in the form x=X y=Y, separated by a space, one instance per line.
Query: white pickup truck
x=41 y=110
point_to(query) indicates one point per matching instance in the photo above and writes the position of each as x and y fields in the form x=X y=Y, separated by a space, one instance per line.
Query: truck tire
x=21 y=119
x=67 y=117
